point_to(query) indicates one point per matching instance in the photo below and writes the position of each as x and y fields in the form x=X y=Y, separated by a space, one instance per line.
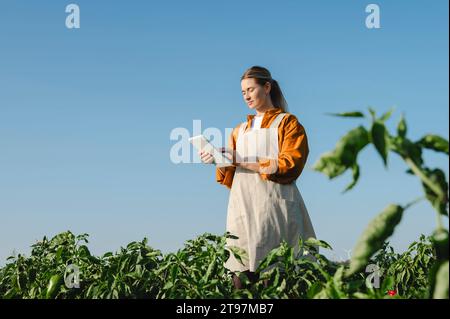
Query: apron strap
x=277 y=120
x=242 y=128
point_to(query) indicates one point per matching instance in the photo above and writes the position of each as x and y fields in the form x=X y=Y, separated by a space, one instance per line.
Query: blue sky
x=86 y=114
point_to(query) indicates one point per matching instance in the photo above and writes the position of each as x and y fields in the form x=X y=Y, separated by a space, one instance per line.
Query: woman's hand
x=250 y=166
x=262 y=166
x=206 y=157
x=229 y=153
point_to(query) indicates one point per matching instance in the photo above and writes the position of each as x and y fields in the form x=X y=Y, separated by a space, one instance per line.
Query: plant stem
x=418 y=172
x=414 y=202
x=439 y=221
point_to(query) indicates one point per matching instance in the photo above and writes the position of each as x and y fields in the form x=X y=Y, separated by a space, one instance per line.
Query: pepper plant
x=435 y=187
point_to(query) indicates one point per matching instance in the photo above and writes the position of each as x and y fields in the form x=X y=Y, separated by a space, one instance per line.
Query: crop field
x=63 y=266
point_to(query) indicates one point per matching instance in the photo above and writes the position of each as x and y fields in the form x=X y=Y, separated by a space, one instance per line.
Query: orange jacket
x=292 y=145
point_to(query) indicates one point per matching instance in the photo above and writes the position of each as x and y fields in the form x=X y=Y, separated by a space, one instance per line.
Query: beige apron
x=260 y=212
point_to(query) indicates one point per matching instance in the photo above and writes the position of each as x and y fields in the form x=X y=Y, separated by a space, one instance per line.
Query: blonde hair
x=262 y=75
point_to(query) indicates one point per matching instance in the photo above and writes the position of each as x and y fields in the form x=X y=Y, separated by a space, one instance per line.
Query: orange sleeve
x=293 y=151
x=226 y=177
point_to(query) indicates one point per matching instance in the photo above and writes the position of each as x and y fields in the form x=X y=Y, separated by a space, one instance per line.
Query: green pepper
x=375 y=234
x=53 y=285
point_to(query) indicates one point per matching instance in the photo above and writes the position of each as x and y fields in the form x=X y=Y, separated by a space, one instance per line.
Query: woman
x=270 y=151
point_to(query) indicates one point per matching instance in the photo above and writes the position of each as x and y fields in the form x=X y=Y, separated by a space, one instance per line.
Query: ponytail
x=277 y=96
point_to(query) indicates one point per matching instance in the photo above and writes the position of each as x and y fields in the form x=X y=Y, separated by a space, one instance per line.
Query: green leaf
x=413 y=151
x=402 y=127
x=338 y=283
x=373 y=237
x=270 y=259
x=386 y=115
x=373 y=114
x=230 y=236
x=314 y=290
x=107 y=254
x=380 y=139
x=434 y=142
x=355 y=175
x=210 y=269
x=406 y=149
x=360 y=295
x=168 y=285
x=345 y=153
x=387 y=284
x=59 y=253
x=350 y=145
x=317 y=242
x=347 y=114
x=329 y=165
x=239 y=253
x=9 y=294
x=438 y=178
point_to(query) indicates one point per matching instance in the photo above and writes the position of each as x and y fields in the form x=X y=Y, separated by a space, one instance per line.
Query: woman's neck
x=263 y=109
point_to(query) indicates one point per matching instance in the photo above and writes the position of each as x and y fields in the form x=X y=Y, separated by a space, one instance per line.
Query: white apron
x=262 y=213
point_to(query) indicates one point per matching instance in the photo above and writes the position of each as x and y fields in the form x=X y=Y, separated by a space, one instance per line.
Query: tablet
x=201 y=143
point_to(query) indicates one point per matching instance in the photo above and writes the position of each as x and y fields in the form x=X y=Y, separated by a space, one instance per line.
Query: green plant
x=435 y=186
x=197 y=270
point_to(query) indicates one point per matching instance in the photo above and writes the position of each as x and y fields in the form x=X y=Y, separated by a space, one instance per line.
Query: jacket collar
x=268 y=115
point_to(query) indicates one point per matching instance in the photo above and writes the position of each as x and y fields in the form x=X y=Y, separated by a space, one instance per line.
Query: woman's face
x=254 y=94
